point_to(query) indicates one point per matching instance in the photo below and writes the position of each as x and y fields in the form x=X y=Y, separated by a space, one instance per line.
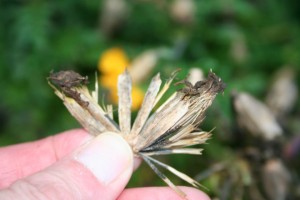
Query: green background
x=39 y=36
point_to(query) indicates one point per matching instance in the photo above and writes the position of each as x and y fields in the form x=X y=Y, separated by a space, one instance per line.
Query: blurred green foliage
x=39 y=36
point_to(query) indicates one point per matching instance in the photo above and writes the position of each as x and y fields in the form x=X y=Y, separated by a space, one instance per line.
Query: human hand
x=74 y=165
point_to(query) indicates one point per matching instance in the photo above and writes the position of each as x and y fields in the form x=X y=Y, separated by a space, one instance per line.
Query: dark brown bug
x=212 y=84
x=190 y=89
x=67 y=81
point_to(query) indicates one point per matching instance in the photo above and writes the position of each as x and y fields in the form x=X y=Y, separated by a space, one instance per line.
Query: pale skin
x=75 y=165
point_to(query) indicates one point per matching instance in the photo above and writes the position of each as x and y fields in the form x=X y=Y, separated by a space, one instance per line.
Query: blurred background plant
x=244 y=42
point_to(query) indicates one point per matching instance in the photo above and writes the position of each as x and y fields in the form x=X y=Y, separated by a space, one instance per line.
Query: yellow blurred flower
x=136 y=93
x=137 y=97
x=108 y=81
x=112 y=63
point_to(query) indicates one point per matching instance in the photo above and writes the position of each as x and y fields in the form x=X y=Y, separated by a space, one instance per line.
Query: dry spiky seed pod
x=168 y=130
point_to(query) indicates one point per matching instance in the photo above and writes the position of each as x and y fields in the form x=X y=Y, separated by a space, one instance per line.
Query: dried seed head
x=255 y=117
x=113 y=14
x=168 y=130
x=183 y=11
x=283 y=93
x=276 y=179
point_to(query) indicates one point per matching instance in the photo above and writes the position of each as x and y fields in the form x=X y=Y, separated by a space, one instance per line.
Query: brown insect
x=67 y=81
x=190 y=89
x=212 y=83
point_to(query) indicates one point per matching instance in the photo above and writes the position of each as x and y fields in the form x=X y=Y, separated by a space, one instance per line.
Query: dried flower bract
x=167 y=130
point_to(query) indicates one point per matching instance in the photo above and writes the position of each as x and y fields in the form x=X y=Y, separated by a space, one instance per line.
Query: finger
x=161 y=193
x=19 y=161
x=100 y=169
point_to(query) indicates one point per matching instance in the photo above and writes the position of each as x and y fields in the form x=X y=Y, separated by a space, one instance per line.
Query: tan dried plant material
x=142 y=65
x=113 y=14
x=167 y=130
x=255 y=117
x=276 y=179
x=183 y=11
x=283 y=93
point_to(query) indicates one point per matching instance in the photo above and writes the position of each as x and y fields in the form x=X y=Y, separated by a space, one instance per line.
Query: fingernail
x=107 y=156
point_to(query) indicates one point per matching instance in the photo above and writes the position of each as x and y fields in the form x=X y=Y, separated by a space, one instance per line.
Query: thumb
x=99 y=169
